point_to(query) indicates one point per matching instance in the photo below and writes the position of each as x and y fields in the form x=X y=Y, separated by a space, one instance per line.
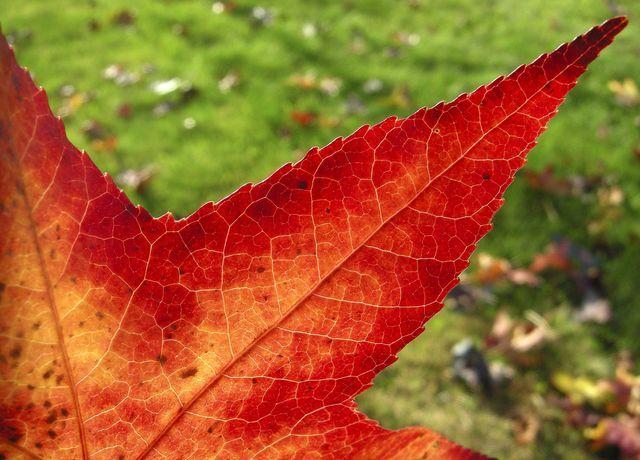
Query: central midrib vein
x=237 y=357
x=52 y=302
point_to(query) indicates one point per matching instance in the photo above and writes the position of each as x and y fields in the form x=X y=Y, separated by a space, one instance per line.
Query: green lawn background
x=421 y=52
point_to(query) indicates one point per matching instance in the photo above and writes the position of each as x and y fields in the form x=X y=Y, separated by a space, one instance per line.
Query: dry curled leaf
x=493 y=269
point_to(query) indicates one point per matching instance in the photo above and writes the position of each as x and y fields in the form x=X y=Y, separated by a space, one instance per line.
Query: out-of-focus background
x=183 y=101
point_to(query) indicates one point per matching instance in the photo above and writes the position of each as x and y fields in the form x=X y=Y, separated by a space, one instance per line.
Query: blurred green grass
x=421 y=52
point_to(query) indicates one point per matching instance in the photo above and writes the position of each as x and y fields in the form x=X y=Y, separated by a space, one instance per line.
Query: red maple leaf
x=246 y=329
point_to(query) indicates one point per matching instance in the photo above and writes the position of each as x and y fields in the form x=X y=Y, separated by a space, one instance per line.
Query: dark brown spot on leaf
x=189 y=373
x=17 y=84
x=10 y=433
x=16 y=352
x=52 y=417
